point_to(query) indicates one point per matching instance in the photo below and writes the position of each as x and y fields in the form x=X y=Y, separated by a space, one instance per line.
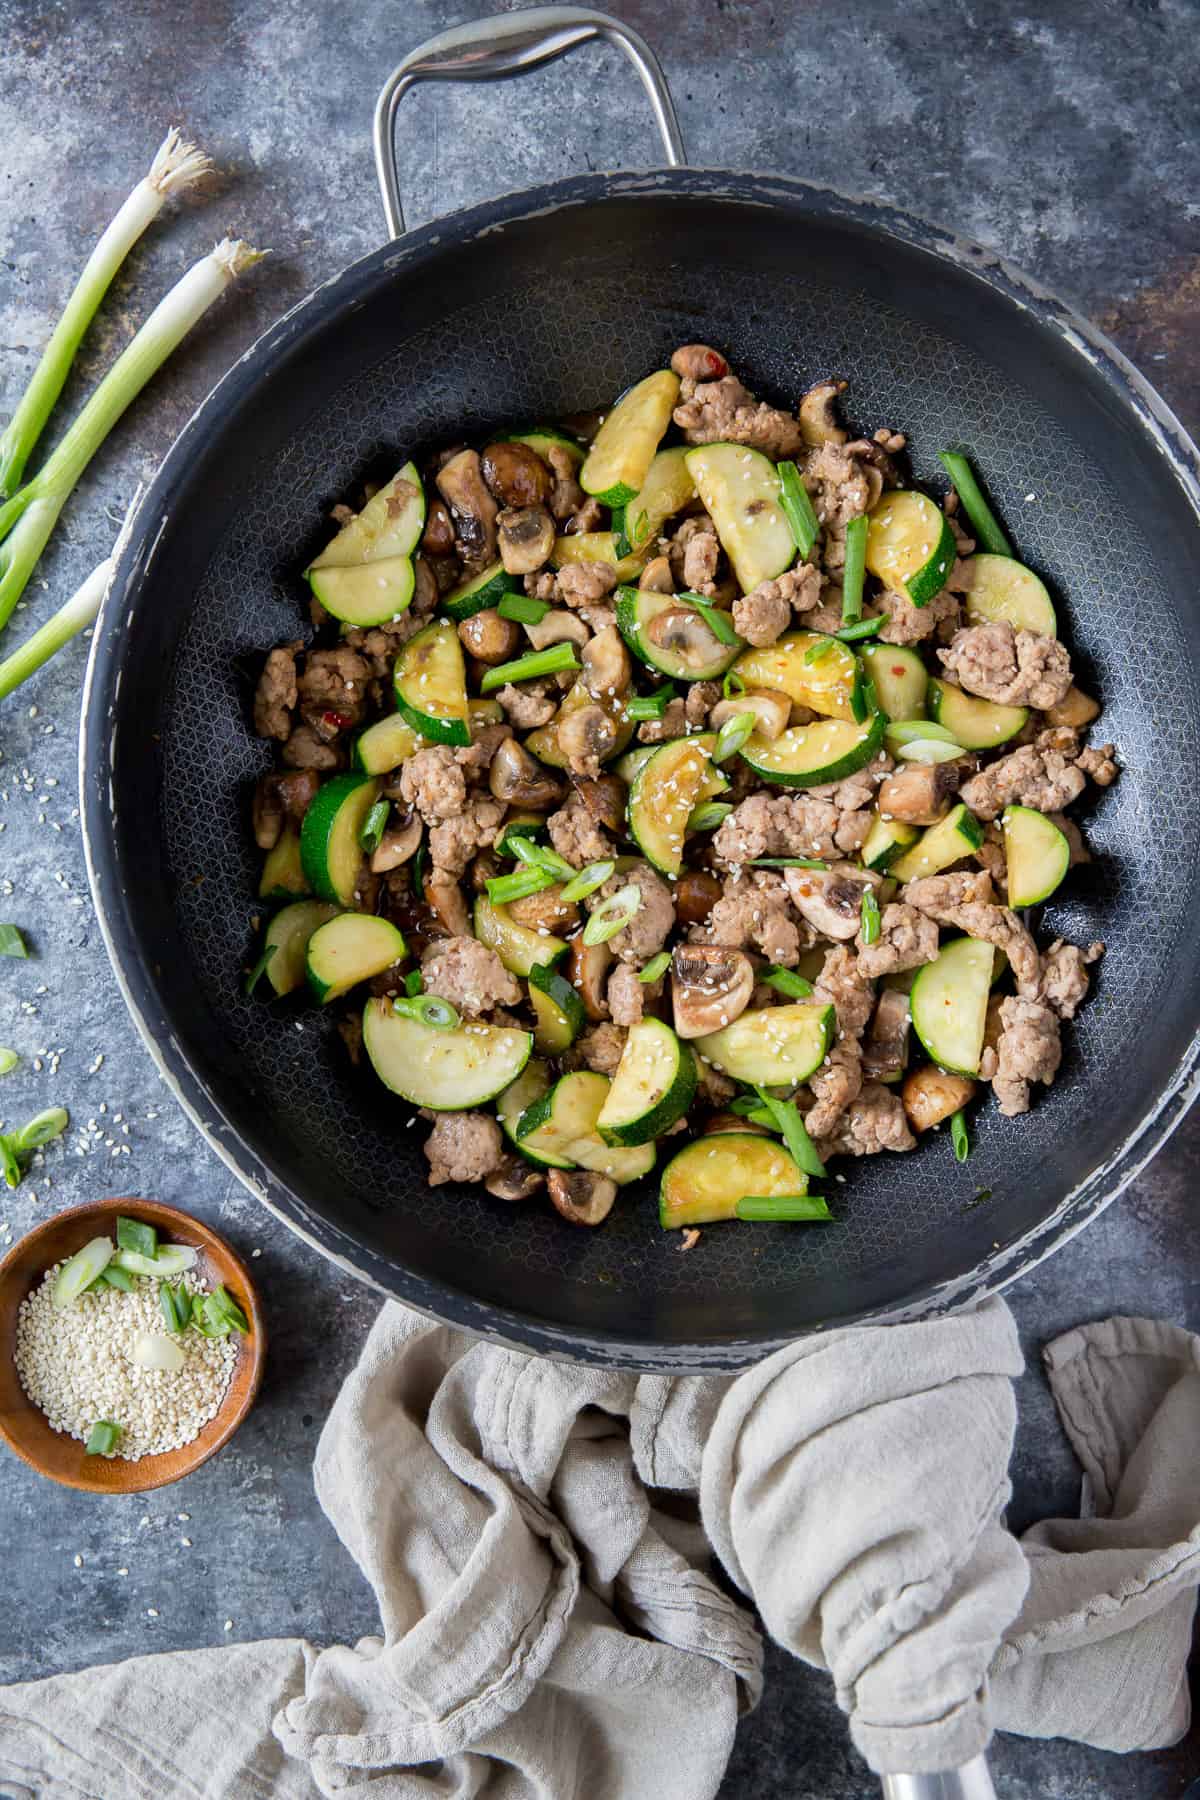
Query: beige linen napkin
x=550 y=1630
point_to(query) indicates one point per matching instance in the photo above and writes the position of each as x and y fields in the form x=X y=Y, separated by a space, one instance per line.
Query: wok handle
x=971 y=1782
x=492 y=49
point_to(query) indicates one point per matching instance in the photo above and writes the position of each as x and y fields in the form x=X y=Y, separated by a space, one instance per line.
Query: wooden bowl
x=25 y=1428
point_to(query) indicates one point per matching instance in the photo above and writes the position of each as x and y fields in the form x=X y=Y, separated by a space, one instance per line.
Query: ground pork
x=469 y=975
x=1099 y=761
x=1013 y=668
x=332 y=690
x=724 y=412
x=699 y=701
x=650 y=927
x=993 y=856
x=842 y=485
x=599 y=1049
x=306 y=750
x=701 y=554
x=1046 y=775
x=1075 y=838
x=1029 y=1050
x=766 y=611
x=909 y=624
x=968 y=901
x=433 y=782
x=1064 y=983
x=790 y=825
x=463 y=1146
x=699 y=362
x=276 y=695
x=380 y=645
x=576 y=834
x=907 y=938
x=578 y=584
x=626 y=995
x=454 y=842
x=477 y=756
x=531 y=704
x=588 y=516
x=873 y=1121
x=857 y=792
x=753 y=912
x=838 y=1081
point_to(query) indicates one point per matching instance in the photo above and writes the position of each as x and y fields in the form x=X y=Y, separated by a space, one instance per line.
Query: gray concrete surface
x=1062 y=135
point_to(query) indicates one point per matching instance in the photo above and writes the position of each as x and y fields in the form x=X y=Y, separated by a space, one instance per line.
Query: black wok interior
x=523 y=311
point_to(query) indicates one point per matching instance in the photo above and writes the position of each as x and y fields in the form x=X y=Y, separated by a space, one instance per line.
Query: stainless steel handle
x=971 y=1782
x=493 y=49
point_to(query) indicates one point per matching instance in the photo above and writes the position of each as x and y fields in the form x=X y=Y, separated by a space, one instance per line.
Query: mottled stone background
x=1062 y=134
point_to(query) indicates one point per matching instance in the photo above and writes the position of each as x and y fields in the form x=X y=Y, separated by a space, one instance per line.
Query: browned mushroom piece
x=586 y=968
x=266 y=813
x=518 y=778
x=581 y=1196
x=585 y=737
x=682 y=631
x=818 y=421
x=696 y=893
x=874 y=454
x=885 y=1046
x=438 y=535
x=280 y=798
x=516 y=474
x=921 y=793
x=772 y=711
x=515 y=1179
x=426 y=592
x=445 y=900
x=605 y=798
x=397 y=844
x=831 y=899
x=489 y=638
x=461 y=485
x=656 y=577
x=605 y=668
x=710 y=987
x=545 y=911
x=727 y=1121
x=558 y=627
x=526 y=538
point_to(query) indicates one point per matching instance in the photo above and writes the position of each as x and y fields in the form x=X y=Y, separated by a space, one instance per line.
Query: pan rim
x=438 y=1298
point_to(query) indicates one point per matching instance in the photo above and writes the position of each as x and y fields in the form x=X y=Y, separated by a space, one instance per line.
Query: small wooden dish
x=25 y=1428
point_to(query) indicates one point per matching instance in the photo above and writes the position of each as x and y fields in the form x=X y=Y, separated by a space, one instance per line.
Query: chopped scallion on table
x=854 y=570
x=527 y=668
x=984 y=523
x=797 y=508
x=43 y=1128
x=9 y=1165
x=960 y=1136
x=8 y=1061
x=102 y=1439
x=11 y=941
x=523 y=609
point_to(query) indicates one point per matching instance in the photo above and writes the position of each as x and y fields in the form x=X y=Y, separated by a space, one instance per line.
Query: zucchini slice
x=910 y=545
x=389 y=525
x=777 y=1046
x=833 y=684
x=329 y=843
x=975 y=724
x=959 y=834
x=383 y=746
x=703 y=1184
x=530 y=1085
x=664 y=793
x=559 y=1012
x=350 y=949
x=545 y=437
x=283 y=875
x=447 y=1071
x=369 y=594
x=653 y=1086
x=287 y=936
x=563 y=1124
x=671 y=636
x=1002 y=588
x=886 y=840
x=519 y=947
x=715 y=780
x=900 y=678
x=616 y=466
x=740 y=490
x=482 y=591
x=1037 y=852
x=431 y=685
x=598 y=546
x=543 y=742
x=668 y=487
x=949 y=1004
x=807 y=755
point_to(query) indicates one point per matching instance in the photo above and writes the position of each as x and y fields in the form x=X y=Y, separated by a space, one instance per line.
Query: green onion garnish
x=787 y=862
x=718 y=622
x=519 y=885
x=708 y=815
x=371 y=830
x=222 y=1301
x=854 y=569
x=650 y=706
x=260 y=968
x=427 y=1009
x=869 y=913
x=797 y=508
x=175 y=1304
x=523 y=608
x=783 y=1207
x=11 y=942
x=786 y=981
x=984 y=523
x=820 y=649
x=911 y=731
x=862 y=628
x=538 y=856
x=42 y=1129
x=528 y=668
x=79 y=1271
x=115 y=1278
x=8 y=1061
x=102 y=1438
x=414 y=983
x=612 y=915
x=8 y=1163
x=732 y=685
x=928 y=750
x=733 y=735
x=960 y=1134
x=588 y=880
x=132 y=1234
x=795 y=1133
x=658 y=965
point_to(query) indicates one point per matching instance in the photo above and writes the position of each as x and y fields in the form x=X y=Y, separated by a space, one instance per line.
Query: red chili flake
x=339 y=721
x=898 y=669
x=717 y=366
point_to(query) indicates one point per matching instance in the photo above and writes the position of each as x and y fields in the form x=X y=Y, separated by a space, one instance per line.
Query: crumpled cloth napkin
x=551 y=1628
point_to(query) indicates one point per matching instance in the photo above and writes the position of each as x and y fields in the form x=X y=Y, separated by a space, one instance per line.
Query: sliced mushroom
x=656 y=577
x=545 y=911
x=426 y=592
x=515 y=1179
x=831 y=899
x=558 y=627
x=489 y=638
x=484 y=867
x=710 y=987
x=581 y=1196
x=526 y=538
x=518 y=778
x=438 y=535
x=396 y=845
x=772 y=711
x=516 y=474
x=585 y=737
x=444 y=897
x=696 y=893
x=885 y=1047
x=1075 y=708
x=681 y=630
x=586 y=968
x=285 y=795
x=267 y=813
x=605 y=668
x=930 y=1095
x=461 y=485
x=605 y=798
x=922 y=793
x=818 y=421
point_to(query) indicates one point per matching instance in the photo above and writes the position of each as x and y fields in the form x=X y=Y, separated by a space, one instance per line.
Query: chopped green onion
x=413 y=983
x=102 y=1438
x=11 y=942
x=718 y=622
x=910 y=731
x=523 y=608
x=732 y=685
x=984 y=523
x=519 y=885
x=168 y=1260
x=207 y=1319
x=588 y=880
x=538 y=856
x=960 y=1135
x=656 y=967
x=132 y=1234
x=787 y=862
x=154 y=1350
x=43 y=1128
x=9 y=1163
x=8 y=1061
x=786 y=981
x=427 y=1009
x=176 y=1306
x=797 y=507
x=115 y=1278
x=862 y=628
x=371 y=830
x=820 y=649
x=709 y=815
x=613 y=914
x=853 y=570
x=869 y=914
x=650 y=706
x=79 y=1271
x=744 y=1105
x=640 y=529
x=733 y=735
x=222 y=1301
x=928 y=750
x=783 y=1207
x=795 y=1132
x=260 y=968
x=27 y=520
x=527 y=668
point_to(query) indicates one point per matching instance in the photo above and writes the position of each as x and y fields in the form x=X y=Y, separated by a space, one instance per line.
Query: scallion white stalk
x=176 y=166
x=27 y=520
x=78 y=613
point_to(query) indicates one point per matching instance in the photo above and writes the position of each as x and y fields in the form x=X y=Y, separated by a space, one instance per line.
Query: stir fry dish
x=670 y=788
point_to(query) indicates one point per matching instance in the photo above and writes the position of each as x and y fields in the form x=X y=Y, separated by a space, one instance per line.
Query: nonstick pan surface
x=541 y=305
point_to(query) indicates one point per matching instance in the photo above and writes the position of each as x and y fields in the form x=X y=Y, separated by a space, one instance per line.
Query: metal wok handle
x=971 y=1782
x=491 y=50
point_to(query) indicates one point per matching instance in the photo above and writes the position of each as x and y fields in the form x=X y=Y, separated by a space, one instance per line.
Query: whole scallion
x=79 y=612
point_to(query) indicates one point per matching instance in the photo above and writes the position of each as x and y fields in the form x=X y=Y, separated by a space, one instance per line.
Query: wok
x=530 y=307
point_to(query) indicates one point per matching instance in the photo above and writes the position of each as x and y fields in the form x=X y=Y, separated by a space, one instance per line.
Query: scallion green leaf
x=8 y=1061
x=133 y=1234
x=732 y=685
x=708 y=815
x=538 y=856
x=8 y=1162
x=787 y=862
x=115 y=1278
x=795 y=1134
x=413 y=983
x=960 y=1136
x=656 y=967
x=733 y=735
x=797 y=508
x=175 y=1303
x=854 y=569
x=786 y=981
x=517 y=886
x=783 y=1207
x=613 y=914
x=223 y=1301
x=523 y=608
x=650 y=706
x=527 y=668
x=11 y=942
x=984 y=523
x=371 y=830
x=427 y=1009
x=588 y=880
x=869 y=914
x=102 y=1438
x=260 y=968
x=862 y=628
x=718 y=622
x=821 y=649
